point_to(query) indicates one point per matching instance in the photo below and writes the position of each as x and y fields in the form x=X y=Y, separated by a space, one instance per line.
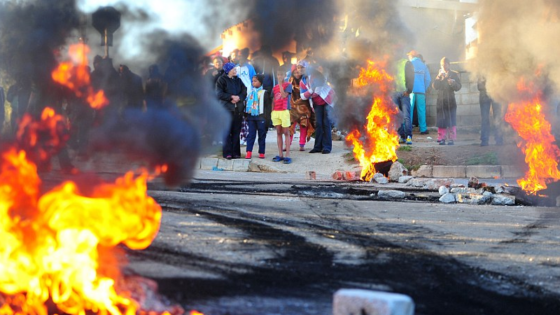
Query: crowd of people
x=262 y=95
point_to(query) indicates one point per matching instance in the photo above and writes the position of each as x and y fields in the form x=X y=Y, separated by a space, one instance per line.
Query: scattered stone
x=352 y=175
x=377 y=175
x=465 y=191
x=405 y=179
x=397 y=170
x=443 y=190
x=416 y=182
x=338 y=175
x=434 y=184
x=355 y=301
x=503 y=200
x=500 y=190
x=447 y=198
x=473 y=182
x=310 y=175
x=423 y=171
x=391 y=194
x=381 y=180
x=457 y=186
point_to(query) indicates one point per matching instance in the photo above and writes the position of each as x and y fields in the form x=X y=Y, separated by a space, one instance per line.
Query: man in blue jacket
x=422 y=81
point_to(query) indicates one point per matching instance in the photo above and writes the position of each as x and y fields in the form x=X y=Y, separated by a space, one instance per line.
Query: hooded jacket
x=422 y=78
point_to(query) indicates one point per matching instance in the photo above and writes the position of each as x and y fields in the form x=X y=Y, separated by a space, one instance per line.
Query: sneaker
x=277 y=158
x=287 y=160
x=408 y=140
x=450 y=142
x=442 y=142
x=248 y=155
x=326 y=152
x=228 y=157
x=314 y=151
x=261 y=155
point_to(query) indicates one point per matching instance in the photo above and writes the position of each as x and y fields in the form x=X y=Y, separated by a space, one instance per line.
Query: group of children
x=259 y=99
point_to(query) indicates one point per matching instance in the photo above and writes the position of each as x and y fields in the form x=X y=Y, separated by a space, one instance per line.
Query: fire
x=538 y=145
x=74 y=75
x=378 y=141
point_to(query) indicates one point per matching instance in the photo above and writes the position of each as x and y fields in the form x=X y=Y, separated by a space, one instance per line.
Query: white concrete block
x=354 y=301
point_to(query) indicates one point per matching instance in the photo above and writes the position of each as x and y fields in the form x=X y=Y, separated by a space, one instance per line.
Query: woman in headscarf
x=232 y=93
x=301 y=112
x=446 y=84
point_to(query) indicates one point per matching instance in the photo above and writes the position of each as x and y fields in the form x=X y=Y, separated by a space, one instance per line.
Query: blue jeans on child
x=256 y=125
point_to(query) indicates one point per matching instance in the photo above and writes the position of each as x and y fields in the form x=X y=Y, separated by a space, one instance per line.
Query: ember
x=378 y=140
x=541 y=152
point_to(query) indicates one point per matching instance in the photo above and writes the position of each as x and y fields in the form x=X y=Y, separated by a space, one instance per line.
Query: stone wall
x=468 y=105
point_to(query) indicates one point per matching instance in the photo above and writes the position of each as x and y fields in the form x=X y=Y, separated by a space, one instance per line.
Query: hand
x=405 y=93
x=235 y=98
x=450 y=81
x=310 y=91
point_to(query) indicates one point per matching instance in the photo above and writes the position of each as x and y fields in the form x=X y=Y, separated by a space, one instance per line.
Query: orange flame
x=538 y=145
x=75 y=75
x=378 y=141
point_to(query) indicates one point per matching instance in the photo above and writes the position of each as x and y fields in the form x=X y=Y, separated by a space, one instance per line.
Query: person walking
x=446 y=84
x=422 y=81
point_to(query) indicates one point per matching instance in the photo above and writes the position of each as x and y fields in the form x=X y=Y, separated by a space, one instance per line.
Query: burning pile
x=376 y=142
x=541 y=152
x=58 y=252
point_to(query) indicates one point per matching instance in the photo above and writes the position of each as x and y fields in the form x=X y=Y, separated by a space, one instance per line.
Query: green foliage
x=490 y=158
x=406 y=148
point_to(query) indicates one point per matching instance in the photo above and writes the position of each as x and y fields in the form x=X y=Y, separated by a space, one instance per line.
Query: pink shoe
x=248 y=155
x=261 y=155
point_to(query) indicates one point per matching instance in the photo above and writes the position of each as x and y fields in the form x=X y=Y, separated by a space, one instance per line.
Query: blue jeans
x=323 y=128
x=256 y=125
x=486 y=126
x=403 y=102
x=420 y=101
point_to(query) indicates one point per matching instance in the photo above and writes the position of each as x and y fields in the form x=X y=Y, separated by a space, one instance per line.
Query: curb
x=466 y=171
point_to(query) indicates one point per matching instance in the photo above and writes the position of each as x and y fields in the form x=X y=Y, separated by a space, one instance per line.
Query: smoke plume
x=517 y=40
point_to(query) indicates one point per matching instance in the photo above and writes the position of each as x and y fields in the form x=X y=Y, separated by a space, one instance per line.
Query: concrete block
x=354 y=301
x=423 y=171
x=226 y=165
x=241 y=165
x=458 y=171
x=391 y=194
x=208 y=163
x=469 y=99
x=447 y=198
x=484 y=171
x=511 y=171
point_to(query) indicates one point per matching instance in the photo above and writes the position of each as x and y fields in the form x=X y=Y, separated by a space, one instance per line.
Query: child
x=281 y=117
x=256 y=102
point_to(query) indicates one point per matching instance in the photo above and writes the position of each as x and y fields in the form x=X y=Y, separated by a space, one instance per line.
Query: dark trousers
x=486 y=126
x=232 y=146
x=403 y=102
x=254 y=127
x=323 y=130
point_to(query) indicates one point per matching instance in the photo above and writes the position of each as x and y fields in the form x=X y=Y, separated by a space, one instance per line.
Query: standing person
x=214 y=74
x=404 y=86
x=281 y=118
x=422 y=81
x=301 y=113
x=446 y=83
x=497 y=116
x=245 y=72
x=132 y=88
x=314 y=88
x=232 y=93
x=155 y=88
x=256 y=102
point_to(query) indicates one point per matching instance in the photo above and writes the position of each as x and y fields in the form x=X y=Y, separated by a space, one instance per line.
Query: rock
x=310 y=175
x=381 y=180
x=472 y=199
x=423 y=171
x=457 y=186
x=473 y=182
x=443 y=190
x=465 y=191
x=338 y=175
x=352 y=175
x=356 y=301
x=434 y=184
x=503 y=200
x=405 y=179
x=447 y=198
x=377 y=175
x=417 y=182
x=391 y=194
x=397 y=170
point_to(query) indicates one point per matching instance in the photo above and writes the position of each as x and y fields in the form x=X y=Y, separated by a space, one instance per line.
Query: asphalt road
x=252 y=243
